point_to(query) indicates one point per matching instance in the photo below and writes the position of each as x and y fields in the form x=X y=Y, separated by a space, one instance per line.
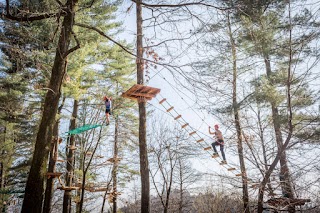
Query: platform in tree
x=139 y=91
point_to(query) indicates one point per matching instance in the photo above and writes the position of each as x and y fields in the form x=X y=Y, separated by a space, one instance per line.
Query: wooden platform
x=140 y=91
x=283 y=201
x=54 y=174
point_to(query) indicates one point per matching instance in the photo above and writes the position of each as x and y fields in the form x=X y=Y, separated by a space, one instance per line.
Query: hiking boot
x=223 y=162
x=215 y=155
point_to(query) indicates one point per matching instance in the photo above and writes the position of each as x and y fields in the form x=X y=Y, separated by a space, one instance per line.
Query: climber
x=219 y=141
x=108 y=102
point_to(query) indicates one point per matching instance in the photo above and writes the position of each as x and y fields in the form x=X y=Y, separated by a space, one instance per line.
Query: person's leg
x=222 y=152
x=107 y=115
x=214 y=147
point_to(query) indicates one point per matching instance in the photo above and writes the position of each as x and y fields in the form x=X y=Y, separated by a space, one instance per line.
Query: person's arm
x=212 y=133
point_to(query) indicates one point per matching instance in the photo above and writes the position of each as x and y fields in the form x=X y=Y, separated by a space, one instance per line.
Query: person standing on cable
x=219 y=142
x=108 y=104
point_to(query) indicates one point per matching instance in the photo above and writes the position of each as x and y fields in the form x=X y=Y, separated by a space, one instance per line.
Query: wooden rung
x=163 y=100
x=215 y=156
x=191 y=133
x=184 y=125
x=200 y=140
x=176 y=118
x=231 y=169
x=223 y=163
x=238 y=175
x=59 y=160
x=207 y=148
x=171 y=108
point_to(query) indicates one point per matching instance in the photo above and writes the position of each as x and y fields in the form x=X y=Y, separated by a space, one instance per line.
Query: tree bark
x=245 y=194
x=70 y=160
x=2 y=187
x=51 y=168
x=52 y=164
x=34 y=190
x=115 y=165
x=144 y=164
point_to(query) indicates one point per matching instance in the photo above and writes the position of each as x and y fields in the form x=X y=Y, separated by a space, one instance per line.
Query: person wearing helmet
x=219 y=142
x=108 y=104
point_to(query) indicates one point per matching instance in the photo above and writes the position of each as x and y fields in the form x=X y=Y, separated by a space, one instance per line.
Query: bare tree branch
x=201 y=3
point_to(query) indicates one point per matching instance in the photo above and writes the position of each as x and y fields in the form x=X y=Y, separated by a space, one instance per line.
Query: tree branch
x=106 y=36
x=120 y=45
x=30 y=17
x=201 y=3
x=75 y=47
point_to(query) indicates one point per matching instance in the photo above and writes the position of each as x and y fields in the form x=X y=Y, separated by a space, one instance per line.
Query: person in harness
x=108 y=104
x=219 y=142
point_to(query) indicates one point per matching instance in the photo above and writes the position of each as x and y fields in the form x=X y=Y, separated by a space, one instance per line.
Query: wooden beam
x=207 y=148
x=171 y=108
x=191 y=133
x=176 y=118
x=163 y=100
x=200 y=140
x=184 y=125
x=231 y=169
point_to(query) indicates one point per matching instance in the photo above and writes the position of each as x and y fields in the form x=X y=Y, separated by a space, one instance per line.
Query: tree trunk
x=285 y=182
x=51 y=168
x=284 y=171
x=2 y=187
x=144 y=165
x=264 y=152
x=34 y=191
x=245 y=194
x=115 y=165
x=104 y=201
x=79 y=190
x=70 y=160
x=181 y=187
x=52 y=164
